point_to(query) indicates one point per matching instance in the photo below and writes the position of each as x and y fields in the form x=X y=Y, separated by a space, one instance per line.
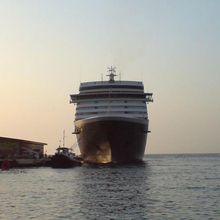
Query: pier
x=22 y=153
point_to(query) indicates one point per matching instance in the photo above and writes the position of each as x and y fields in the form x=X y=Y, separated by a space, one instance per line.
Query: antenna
x=59 y=143
x=64 y=138
x=112 y=74
x=80 y=75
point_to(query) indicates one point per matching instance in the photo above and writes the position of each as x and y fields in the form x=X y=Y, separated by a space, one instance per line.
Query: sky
x=47 y=47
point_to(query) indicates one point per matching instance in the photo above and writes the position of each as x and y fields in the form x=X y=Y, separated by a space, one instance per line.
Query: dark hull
x=112 y=139
x=61 y=161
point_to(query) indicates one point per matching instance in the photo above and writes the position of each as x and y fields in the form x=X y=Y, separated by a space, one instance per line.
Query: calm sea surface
x=164 y=187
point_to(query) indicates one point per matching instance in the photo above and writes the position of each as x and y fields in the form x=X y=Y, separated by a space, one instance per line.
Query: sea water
x=163 y=187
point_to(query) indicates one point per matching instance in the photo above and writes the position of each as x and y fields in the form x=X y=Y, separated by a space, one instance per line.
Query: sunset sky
x=47 y=47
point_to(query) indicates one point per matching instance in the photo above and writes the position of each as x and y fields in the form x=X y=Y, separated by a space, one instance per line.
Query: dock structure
x=21 y=152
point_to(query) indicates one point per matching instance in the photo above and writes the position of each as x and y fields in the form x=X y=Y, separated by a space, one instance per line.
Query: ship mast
x=111 y=74
x=64 y=138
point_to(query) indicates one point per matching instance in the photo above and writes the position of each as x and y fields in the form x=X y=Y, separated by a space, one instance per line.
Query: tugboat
x=64 y=158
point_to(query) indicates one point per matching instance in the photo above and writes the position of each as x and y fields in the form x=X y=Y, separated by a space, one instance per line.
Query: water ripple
x=166 y=187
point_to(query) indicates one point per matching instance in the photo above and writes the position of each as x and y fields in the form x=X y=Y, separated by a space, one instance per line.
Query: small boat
x=5 y=165
x=65 y=158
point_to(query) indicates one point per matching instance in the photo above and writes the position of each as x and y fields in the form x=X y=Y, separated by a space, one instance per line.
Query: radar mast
x=111 y=74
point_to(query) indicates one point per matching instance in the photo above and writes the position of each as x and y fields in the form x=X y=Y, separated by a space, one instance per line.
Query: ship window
x=126 y=106
x=126 y=112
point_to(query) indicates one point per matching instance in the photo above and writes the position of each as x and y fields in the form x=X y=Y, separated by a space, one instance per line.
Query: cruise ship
x=111 y=120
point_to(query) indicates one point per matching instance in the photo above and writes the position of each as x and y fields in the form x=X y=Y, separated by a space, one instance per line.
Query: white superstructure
x=111 y=98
